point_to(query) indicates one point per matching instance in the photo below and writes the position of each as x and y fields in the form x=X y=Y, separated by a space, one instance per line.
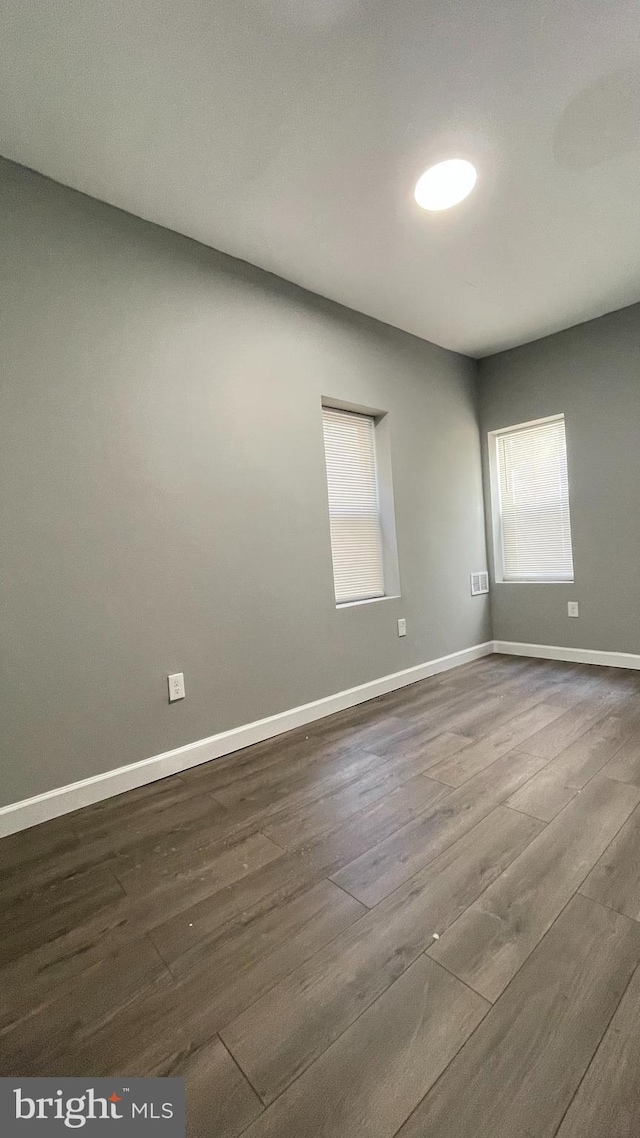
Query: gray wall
x=164 y=501
x=592 y=374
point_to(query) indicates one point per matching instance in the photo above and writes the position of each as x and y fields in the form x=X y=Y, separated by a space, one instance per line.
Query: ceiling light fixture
x=446 y=184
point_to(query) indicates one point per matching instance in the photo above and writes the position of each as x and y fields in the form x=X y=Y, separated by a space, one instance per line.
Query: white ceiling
x=291 y=132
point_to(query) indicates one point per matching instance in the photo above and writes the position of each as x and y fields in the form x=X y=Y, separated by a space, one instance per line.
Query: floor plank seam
x=270 y=838
x=453 y=1058
x=545 y=767
x=576 y=738
x=149 y=936
x=427 y=950
x=362 y=1011
x=216 y=1035
x=543 y=937
x=523 y=813
x=609 y=908
x=366 y=908
x=615 y=754
x=596 y=1048
x=270 y=1102
x=608 y=846
x=145 y=936
x=443 y=801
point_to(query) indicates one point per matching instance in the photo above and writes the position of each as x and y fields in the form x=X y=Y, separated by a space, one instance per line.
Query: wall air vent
x=479 y=583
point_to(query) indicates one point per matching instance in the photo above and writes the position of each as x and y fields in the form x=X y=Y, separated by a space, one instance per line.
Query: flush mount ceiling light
x=446 y=184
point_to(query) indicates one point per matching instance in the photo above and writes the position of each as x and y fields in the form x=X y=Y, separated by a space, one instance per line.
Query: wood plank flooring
x=419 y=917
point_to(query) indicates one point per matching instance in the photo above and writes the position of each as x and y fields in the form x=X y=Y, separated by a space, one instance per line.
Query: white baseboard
x=64 y=799
x=572 y=655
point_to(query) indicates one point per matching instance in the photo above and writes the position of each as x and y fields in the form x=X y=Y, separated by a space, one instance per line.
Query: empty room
x=319 y=563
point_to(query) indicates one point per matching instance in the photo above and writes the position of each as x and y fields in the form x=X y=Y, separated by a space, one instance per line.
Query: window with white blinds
x=354 y=512
x=533 y=498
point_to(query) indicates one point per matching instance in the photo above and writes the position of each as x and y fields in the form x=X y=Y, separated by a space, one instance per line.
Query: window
x=354 y=511
x=530 y=489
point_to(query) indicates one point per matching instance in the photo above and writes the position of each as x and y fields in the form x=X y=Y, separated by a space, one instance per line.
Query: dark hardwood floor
x=419 y=917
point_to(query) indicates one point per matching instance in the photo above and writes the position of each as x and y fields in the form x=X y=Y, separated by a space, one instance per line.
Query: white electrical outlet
x=402 y=627
x=572 y=608
x=176 y=686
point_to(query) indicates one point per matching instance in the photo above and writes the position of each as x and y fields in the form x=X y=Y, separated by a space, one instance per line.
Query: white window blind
x=356 y=535
x=534 y=503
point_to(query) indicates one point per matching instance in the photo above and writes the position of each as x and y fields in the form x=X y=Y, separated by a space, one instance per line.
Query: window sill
x=368 y=601
x=571 y=582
